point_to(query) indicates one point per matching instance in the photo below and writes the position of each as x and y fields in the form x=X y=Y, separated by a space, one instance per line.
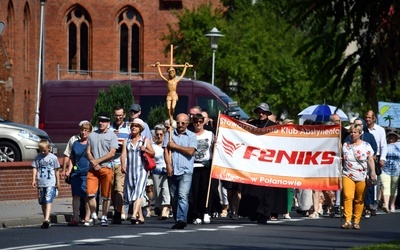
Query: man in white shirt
x=379 y=134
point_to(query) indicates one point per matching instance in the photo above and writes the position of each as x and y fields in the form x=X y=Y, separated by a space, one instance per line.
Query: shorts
x=104 y=178
x=119 y=179
x=46 y=195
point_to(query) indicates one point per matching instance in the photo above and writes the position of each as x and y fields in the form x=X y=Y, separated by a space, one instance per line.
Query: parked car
x=19 y=142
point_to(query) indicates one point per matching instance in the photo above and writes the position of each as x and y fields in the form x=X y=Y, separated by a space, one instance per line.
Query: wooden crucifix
x=172 y=82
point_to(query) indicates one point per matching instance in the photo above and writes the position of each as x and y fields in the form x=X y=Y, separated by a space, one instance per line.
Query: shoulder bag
x=148 y=162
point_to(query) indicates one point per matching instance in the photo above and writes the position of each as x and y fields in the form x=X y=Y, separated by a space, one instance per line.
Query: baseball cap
x=135 y=107
x=103 y=116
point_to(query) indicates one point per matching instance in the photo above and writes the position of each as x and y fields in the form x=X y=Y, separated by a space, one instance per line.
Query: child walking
x=46 y=179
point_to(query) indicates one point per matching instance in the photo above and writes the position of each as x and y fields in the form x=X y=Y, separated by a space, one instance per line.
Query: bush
x=157 y=115
x=117 y=95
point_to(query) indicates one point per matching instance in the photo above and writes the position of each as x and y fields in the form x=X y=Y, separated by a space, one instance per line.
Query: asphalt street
x=222 y=233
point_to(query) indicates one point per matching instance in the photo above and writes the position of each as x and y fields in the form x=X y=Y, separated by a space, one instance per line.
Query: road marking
x=207 y=229
x=125 y=236
x=154 y=233
x=229 y=227
x=89 y=240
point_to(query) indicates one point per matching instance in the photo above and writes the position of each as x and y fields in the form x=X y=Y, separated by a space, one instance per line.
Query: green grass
x=383 y=246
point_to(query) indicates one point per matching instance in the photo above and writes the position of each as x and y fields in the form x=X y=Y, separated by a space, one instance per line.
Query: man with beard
x=257 y=202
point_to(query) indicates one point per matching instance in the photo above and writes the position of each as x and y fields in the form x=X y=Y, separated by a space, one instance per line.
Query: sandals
x=347 y=225
x=356 y=226
x=314 y=215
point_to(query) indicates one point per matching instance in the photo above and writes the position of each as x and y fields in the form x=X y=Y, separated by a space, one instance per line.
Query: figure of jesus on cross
x=172 y=82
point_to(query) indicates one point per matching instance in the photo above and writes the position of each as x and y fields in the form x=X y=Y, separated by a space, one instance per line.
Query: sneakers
x=89 y=223
x=287 y=216
x=46 y=224
x=123 y=217
x=367 y=214
x=206 y=219
x=197 y=221
x=104 y=221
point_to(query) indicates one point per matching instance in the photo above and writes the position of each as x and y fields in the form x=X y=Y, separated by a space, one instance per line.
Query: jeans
x=179 y=188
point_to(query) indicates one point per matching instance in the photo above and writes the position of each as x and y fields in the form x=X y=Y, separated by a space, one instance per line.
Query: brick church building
x=82 y=39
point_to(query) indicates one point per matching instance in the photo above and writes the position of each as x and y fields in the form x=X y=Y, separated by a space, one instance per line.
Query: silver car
x=19 y=142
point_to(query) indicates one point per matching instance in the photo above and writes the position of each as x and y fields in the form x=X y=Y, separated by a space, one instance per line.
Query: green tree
x=372 y=25
x=157 y=114
x=257 y=53
x=117 y=95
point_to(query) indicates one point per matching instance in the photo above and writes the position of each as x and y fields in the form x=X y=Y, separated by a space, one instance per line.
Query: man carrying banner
x=258 y=202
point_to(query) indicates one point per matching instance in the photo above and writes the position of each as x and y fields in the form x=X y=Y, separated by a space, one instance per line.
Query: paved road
x=222 y=233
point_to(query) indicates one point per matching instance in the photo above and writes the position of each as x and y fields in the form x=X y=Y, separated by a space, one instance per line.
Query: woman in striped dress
x=131 y=164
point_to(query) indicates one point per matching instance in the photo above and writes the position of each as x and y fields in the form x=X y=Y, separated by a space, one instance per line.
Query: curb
x=36 y=220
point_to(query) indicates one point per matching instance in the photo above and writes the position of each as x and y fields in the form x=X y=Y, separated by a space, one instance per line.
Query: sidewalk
x=29 y=212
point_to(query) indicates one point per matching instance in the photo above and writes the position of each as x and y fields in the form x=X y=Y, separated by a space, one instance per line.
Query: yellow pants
x=353 y=195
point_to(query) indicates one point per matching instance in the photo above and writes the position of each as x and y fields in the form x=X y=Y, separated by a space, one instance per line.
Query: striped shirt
x=182 y=164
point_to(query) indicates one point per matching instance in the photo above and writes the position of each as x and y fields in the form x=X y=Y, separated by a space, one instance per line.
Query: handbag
x=378 y=168
x=68 y=179
x=148 y=162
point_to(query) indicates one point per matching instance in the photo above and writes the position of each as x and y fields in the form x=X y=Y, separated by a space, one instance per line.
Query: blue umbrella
x=322 y=113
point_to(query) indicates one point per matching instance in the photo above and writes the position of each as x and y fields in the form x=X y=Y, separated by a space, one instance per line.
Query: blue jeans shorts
x=46 y=195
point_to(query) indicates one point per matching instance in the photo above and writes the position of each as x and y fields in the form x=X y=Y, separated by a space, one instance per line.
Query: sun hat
x=138 y=121
x=264 y=107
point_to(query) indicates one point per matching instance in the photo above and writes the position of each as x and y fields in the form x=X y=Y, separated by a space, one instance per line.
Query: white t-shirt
x=204 y=148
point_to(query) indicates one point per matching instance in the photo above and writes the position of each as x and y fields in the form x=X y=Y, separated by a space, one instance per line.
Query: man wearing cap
x=102 y=145
x=122 y=130
x=261 y=203
x=136 y=110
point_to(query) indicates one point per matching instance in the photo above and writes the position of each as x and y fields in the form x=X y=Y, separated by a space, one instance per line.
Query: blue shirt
x=181 y=163
x=392 y=163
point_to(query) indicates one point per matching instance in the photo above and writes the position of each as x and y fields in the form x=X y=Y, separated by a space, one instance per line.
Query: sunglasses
x=135 y=126
x=198 y=121
x=181 y=123
x=160 y=134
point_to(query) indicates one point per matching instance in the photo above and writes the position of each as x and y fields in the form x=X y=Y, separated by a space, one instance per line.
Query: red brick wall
x=16 y=182
x=20 y=106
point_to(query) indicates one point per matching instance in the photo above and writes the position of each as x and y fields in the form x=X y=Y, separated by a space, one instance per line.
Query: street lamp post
x=42 y=2
x=214 y=35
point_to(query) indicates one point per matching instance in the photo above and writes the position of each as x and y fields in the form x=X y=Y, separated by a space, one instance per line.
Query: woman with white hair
x=131 y=164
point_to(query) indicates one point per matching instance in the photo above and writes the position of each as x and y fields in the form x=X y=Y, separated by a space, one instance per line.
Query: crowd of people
x=104 y=165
